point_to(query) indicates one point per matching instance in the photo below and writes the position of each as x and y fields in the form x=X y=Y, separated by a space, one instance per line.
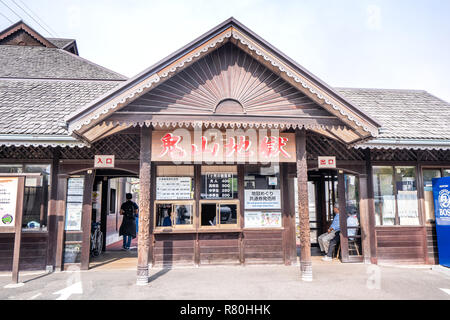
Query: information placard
x=8 y=199
x=263 y=199
x=259 y=219
x=74 y=203
x=174 y=188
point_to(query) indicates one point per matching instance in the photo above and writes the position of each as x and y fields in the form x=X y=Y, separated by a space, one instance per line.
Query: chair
x=352 y=246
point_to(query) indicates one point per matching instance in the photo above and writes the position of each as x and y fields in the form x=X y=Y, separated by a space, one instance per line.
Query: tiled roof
x=39 y=106
x=403 y=114
x=60 y=42
x=49 y=63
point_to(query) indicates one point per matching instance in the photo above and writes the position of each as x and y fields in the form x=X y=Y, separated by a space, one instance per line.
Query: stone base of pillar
x=306 y=270
x=142 y=276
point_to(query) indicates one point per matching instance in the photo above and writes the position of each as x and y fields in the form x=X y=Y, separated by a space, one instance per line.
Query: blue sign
x=441 y=196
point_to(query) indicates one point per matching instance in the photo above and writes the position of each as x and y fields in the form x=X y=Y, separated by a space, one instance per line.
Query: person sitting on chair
x=352 y=221
x=324 y=239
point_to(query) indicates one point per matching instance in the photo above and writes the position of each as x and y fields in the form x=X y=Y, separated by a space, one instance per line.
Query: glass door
x=351 y=246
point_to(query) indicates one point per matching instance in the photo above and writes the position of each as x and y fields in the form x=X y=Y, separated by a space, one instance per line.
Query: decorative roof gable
x=22 y=34
x=355 y=124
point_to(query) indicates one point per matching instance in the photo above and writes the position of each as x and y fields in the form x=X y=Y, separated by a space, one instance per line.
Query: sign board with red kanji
x=327 y=162
x=217 y=146
x=104 y=161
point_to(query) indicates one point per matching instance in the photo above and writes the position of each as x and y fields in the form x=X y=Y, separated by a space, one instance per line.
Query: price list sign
x=174 y=188
x=219 y=186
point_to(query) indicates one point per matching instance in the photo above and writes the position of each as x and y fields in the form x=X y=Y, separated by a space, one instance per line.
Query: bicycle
x=96 y=239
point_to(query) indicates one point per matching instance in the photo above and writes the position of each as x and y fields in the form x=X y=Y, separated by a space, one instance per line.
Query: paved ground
x=331 y=281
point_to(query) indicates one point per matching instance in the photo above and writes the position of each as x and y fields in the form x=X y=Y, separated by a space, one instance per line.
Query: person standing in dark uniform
x=129 y=210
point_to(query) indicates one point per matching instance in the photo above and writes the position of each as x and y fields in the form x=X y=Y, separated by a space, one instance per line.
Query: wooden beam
x=144 y=206
x=303 y=210
x=371 y=207
x=18 y=227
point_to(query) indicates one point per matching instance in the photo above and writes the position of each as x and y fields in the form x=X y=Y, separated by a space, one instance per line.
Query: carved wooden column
x=303 y=211
x=144 y=205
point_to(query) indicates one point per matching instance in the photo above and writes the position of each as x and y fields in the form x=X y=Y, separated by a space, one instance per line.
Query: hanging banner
x=8 y=200
x=258 y=219
x=263 y=199
x=441 y=196
x=174 y=188
x=213 y=145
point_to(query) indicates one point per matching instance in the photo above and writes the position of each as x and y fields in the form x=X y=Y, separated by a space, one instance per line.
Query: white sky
x=401 y=44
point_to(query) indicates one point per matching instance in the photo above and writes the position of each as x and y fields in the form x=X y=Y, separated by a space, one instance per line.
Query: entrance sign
x=263 y=199
x=174 y=188
x=327 y=162
x=441 y=195
x=216 y=146
x=258 y=219
x=103 y=161
x=74 y=203
x=8 y=200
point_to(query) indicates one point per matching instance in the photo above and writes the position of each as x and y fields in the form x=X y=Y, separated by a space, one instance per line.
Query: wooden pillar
x=144 y=205
x=60 y=220
x=18 y=230
x=86 y=219
x=52 y=221
x=364 y=217
x=303 y=211
x=371 y=207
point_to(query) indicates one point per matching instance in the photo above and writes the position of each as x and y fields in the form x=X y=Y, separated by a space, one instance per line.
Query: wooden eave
x=103 y=116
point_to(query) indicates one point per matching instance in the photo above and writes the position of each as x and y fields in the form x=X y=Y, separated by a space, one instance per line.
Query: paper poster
x=74 y=204
x=263 y=199
x=259 y=219
x=174 y=188
x=8 y=199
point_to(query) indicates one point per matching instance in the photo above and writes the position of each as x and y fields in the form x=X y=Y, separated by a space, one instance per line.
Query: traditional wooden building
x=240 y=151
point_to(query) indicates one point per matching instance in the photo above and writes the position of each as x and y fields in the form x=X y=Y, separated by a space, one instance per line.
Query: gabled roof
x=357 y=124
x=21 y=26
x=40 y=83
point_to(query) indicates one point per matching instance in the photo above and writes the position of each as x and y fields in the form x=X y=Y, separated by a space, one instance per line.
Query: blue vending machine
x=441 y=196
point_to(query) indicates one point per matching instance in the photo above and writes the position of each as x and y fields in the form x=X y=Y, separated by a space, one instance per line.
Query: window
x=395 y=195
x=219 y=188
x=219 y=214
x=177 y=214
x=428 y=175
x=36 y=196
x=262 y=196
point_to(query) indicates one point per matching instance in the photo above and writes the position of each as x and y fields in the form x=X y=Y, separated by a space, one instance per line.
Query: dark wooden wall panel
x=263 y=247
x=219 y=248
x=400 y=245
x=33 y=251
x=433 y=257
x=174 y=249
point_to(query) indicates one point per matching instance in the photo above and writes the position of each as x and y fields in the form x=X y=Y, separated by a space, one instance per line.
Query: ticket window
x=174 y=204
x=219 y=204
x=178 y=215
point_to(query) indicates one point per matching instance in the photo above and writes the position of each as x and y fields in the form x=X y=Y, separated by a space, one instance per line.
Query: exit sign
x=104 y=161
x=327 y=162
